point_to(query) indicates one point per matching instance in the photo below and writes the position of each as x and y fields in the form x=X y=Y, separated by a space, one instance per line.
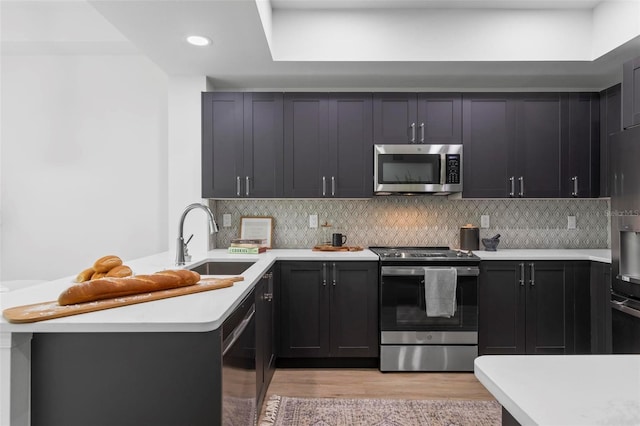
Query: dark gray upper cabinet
x=222 y=139
x=241 y=145
x=400 y=118
x=631 y=93
x=328 y=148
x=610 y=123
x=580 y=153
x=539 y=133
x=530 y=145
x=489 y=151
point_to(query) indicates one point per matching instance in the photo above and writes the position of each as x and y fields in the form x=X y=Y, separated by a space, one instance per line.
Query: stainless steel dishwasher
x=239 y=399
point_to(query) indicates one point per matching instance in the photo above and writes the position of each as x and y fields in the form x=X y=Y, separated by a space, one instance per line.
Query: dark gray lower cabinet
x=126 y=379
x=600 y=308
x=328 y=309
x=528 y=307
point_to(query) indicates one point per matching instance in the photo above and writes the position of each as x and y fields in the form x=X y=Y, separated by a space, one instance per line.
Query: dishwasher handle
x=237 y=332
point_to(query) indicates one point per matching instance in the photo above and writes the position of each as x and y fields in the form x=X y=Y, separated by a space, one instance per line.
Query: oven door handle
x=404 y=271
x=620 y=306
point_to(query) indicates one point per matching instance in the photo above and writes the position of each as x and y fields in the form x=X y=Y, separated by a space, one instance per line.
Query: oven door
x=403 y=304
x=625 y=324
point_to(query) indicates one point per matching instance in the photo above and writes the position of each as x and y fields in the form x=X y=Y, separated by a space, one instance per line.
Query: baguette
x=110 y=287
x=106 y=263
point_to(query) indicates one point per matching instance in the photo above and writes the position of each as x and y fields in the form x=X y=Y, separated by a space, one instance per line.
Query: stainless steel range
x=428 y=308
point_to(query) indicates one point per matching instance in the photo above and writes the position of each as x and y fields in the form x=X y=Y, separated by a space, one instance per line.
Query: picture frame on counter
x=257 y=227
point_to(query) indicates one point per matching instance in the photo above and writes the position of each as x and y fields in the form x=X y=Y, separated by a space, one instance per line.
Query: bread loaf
x=120 y=271
x=106 y=263
x=98 y=275
x=110 y=287
x=85 y=275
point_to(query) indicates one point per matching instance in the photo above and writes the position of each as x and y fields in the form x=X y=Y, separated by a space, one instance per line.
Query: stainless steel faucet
x=182 y=252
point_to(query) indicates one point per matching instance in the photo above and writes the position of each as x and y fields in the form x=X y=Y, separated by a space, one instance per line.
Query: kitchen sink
x=214 y=267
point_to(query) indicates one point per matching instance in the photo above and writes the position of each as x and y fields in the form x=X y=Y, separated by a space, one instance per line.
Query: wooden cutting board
x=49 y=310
x=332 y=248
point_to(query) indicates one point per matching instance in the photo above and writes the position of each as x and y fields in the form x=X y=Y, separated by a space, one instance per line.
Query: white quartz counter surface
x=565 y=389
x=189 y=313
x=596 y=255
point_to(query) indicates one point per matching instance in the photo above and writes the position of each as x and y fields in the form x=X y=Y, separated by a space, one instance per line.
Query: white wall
x=84 y=162
x=184 y=167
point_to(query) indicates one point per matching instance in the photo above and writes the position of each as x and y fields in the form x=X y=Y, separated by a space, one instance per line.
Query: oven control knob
x=459 y=254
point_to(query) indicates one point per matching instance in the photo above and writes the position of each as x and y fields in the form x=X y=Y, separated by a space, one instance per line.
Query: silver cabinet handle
x=238 y=186
x=512 y=180
x=324 y=186
x=333 y=265
x=421 y=132
x=521 y=281
x=413 y=132
x=324 y=273
x=521 y=179
x=532 y=280
x=575 y=186
x=333 y=186
x=246 y=189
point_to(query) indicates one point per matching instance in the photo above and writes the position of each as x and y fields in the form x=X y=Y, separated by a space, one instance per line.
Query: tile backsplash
x=425 y=220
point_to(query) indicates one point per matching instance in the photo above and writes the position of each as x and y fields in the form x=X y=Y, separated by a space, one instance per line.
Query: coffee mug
x=337 y=240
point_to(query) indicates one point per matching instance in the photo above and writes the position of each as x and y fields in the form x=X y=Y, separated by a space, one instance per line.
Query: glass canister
x=325 y=234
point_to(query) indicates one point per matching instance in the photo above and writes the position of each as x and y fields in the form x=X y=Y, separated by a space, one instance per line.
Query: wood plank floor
x=371 y=383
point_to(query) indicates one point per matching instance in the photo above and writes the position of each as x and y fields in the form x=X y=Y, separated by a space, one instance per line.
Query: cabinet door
x=501 y=308
x=631 y=93
x=222 y=117
x=263 y=139
x=439 y=118
x=488 y=139
x=304 y=309
x=306 y=151
x=580 y=153
x=549 y=309
x=600 y=309
x=539 y=133
x=395 y=118
x=350 y=172
x=354 y=309
x=610 y=123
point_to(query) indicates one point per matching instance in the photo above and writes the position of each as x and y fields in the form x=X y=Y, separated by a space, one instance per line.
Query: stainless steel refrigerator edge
x=625 y=240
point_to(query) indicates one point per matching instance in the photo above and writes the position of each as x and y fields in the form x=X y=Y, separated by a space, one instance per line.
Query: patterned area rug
x=286 y=411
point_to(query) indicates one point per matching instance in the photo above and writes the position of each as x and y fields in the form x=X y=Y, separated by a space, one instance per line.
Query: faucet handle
x=187 y=256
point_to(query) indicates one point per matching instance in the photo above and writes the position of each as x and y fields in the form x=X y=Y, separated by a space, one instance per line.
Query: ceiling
x=347 y=44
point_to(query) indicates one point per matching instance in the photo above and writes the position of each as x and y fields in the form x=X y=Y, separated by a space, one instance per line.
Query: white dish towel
x=440 y=291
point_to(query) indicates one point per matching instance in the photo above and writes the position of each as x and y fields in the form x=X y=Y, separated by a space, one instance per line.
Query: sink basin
x=213 y=267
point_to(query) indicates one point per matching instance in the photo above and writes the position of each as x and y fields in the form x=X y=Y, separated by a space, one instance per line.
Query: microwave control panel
x=452 y=168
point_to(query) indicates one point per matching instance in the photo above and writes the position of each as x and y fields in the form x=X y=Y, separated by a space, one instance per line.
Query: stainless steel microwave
x=417 y=169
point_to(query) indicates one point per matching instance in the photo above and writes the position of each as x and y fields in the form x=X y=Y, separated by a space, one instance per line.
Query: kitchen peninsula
x=564 y=389
x=183 y=318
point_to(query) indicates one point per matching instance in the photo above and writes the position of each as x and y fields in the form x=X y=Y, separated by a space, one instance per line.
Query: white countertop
x=565 y=389
x=596 y=255
x=206 y=311
x=189 y=313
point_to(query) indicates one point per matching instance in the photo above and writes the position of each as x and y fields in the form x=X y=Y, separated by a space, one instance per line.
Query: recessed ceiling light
x=198 y=40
